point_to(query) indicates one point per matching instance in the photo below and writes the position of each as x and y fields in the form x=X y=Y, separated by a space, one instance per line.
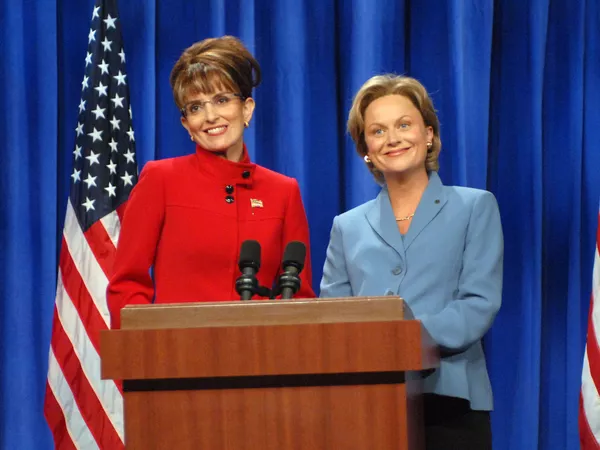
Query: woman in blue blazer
x=438 y=247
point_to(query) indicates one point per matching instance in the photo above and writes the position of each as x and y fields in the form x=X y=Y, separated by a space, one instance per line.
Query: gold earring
x=429 y=144
x=246 y=124
x=367 y=159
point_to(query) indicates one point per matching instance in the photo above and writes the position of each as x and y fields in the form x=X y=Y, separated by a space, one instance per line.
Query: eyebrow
x=381 y=125
x=212 y=96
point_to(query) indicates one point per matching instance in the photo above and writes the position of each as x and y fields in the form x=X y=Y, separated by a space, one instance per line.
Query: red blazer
x=188 y=216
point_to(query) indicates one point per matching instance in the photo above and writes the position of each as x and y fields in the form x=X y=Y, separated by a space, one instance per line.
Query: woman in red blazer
x=187 y=216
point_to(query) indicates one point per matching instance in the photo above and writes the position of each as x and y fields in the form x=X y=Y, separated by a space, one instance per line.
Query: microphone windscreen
x=294 y=255
x=249 y=255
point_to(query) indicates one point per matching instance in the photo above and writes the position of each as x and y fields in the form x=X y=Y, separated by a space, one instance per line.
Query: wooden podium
x=320 y=374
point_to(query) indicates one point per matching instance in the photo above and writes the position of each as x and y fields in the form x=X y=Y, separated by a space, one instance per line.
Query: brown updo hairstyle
x=390 y=84
x=214 y=62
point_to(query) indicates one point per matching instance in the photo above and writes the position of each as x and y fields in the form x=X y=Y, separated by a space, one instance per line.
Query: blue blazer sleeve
x=335 y=282
x=467 y=318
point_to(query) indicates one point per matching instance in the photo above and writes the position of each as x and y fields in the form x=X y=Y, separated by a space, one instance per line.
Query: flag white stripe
x=76 y=427
x=106 y=391
x=589 y=390
x=591 y=399
x=91 y=273
x=112 y=224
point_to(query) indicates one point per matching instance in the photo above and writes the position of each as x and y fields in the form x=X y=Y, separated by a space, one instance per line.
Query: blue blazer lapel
x=381 y=218
x=432 y=201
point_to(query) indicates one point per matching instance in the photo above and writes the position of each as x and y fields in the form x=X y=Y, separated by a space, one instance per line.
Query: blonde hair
x=389 y=84
x=223 y=61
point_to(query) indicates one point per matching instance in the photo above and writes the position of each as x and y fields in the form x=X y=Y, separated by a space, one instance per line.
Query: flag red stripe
x=90 y=407
x=80 y=297
x=593 y=351
x=102 y=247
x=56 y=421
x=586 y=437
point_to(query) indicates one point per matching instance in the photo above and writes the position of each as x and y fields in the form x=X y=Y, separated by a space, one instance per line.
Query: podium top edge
x=253 y=303
x=264 y=312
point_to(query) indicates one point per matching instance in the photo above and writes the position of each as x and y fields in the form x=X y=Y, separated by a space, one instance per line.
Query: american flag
x=589 y=400
x=82 y=410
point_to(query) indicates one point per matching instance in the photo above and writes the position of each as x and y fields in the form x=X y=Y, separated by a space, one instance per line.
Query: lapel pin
x=255 y=203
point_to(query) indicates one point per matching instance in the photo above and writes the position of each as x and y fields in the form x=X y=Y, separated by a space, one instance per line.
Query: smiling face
x=217 y=123
x=396 y=136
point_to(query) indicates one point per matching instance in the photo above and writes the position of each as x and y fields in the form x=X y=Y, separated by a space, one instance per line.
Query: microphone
x=293 y=263
x=246 y=285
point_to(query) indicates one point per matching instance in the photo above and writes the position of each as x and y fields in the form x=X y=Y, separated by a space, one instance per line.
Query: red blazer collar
x=229 y=172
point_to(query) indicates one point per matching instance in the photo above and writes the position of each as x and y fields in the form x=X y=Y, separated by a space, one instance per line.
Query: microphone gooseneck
x=249 y=263
x=293 y=263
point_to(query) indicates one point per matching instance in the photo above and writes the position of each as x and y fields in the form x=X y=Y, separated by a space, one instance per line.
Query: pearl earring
x=367 y=159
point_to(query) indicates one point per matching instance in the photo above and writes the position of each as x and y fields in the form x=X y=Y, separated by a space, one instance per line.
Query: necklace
x=402 y=219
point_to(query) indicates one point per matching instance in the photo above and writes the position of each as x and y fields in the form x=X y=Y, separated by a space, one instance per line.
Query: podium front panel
x=335 y=417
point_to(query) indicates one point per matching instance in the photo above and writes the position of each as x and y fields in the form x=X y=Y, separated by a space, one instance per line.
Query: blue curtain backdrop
x=517 y=86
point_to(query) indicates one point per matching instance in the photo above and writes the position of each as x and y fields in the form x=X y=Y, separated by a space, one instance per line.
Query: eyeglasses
x=219 y=102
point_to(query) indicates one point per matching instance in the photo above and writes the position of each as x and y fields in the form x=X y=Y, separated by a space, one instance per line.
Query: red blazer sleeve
x=131 y=282
x=295 y=228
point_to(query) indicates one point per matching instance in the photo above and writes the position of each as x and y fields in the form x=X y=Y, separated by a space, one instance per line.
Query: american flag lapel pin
x=256 y=203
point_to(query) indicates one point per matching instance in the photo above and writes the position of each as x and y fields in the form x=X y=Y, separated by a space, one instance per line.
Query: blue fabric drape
x=28 y=214
x=516 y=84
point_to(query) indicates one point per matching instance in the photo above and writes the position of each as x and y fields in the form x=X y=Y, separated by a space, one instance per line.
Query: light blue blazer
x=447 y=267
